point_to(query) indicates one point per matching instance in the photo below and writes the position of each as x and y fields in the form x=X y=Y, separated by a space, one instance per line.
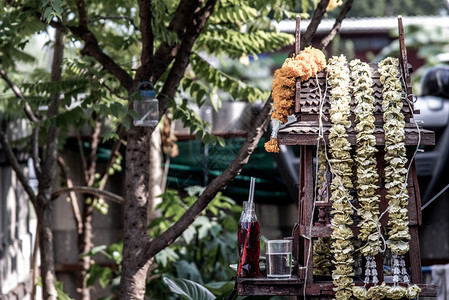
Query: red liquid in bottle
x=249 y=249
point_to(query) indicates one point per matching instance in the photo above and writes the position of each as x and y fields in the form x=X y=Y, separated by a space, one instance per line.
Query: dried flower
x=305 y=65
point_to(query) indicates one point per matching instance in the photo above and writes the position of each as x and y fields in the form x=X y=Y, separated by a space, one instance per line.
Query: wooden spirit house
x=314 y=218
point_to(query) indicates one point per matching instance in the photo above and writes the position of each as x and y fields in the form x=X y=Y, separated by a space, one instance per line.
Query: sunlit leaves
x=235 y=43
x=51 y=9
x=237 y=88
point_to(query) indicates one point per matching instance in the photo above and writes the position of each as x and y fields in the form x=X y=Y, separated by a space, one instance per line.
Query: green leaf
x=189 y=234
x=220 y=288
x=215 y=101
x=188 y=290
x=165 y=256
x=221 y=141
x=188 y=270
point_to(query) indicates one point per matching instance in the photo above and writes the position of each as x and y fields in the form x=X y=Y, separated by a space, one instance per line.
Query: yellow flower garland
x=306 y=64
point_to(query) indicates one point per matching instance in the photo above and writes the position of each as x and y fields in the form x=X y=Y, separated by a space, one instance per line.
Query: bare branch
x=16 y=167
x=72 y=195
x=181 y=21
x=92 y=48
x=146 y=30
x=182 y=58
x=35 y=151
x=306 y=38
x=114 y=152
x=88 y=190
x=330 y=36
x=82 y=156
x=28 y=111
x=218 y=184
x=93 y=149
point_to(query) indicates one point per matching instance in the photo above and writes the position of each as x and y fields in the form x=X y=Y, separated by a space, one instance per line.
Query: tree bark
x=46 y=180
x=306 y=38
x=156 y=175
x=330 y=36
x=134 y=271
x=47 y=251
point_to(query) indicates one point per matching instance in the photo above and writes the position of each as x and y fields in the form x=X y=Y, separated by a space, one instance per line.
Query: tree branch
x=88 y=190
x=330 y=36
x=93 y=149
x=218 y=184
x=72 y=195
x=35 y=151
x=16 y=167
x=146 y=30
x=49 y=161
x=115 y=150
x=181 y=21
x=306 y=38
x=92 y=48
x=16 y=90
x=182 y=58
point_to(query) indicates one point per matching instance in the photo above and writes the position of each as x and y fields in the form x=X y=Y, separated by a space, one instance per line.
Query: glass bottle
x=248 y=237
x=147 y=108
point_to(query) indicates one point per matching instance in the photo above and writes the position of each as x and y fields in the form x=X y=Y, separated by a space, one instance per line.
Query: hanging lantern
x=147 y=108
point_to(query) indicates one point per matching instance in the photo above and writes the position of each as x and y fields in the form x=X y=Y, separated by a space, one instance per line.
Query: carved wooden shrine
x=304 y=132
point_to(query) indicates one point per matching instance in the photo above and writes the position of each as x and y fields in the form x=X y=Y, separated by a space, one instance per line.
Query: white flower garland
x=321 y=247
x=367 y=175
x=396 y=176
x=395 y=156
x=341 y=163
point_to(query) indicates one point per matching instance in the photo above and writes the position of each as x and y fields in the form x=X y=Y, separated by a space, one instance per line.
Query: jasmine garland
x=341 y=161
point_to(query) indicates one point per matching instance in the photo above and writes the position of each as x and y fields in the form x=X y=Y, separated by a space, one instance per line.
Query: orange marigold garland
x=306 y=64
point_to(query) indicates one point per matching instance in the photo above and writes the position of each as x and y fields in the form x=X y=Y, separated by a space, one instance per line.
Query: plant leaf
x=187 y=289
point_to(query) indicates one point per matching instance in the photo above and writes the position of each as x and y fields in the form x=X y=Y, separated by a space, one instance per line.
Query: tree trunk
x=46 y=179
x=47 y=253
x=84 y=246
x=155 y=175
x=132 y=283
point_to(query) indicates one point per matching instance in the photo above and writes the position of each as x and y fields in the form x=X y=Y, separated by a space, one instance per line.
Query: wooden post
x=297 y=50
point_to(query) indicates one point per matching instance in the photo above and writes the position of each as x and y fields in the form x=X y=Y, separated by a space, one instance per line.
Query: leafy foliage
x=205 y=250
x=203 y=253
x=235 y=43
x=382 y=8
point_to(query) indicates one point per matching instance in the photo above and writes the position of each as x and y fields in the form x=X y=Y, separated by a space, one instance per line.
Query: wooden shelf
x=295 y=287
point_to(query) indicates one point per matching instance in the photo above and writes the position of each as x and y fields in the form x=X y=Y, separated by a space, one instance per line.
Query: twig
x=88 y=190
x=16 y=90
x=330 y=36
x=72 y=195
x=115 y=150
x=16 y=167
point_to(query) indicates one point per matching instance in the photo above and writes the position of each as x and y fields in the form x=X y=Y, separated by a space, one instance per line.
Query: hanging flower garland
x=367 y=177
x=306 y=64
x=321 y=248
x=396 y=176
x=340 y=150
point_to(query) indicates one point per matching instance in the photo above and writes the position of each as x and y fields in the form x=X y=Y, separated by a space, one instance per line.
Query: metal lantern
x=147 y=108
